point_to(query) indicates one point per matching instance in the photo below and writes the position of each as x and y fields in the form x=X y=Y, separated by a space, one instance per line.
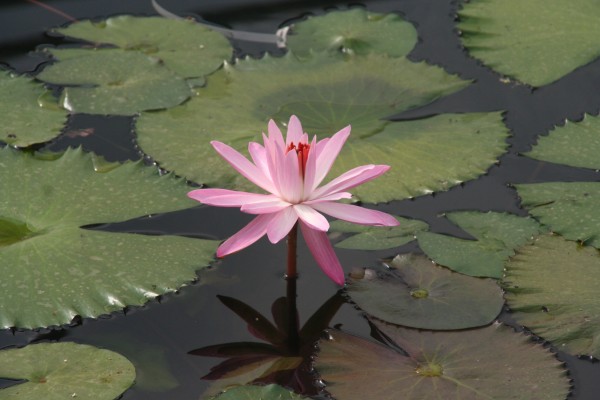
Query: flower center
x=302 y=150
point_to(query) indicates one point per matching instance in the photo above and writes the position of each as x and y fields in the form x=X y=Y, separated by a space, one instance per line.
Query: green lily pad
x=184 y=46
x=253 y=392
x=486 y=363
x=416 y=293
x=497 y=234
x=57 y=371
x=567 y=208
x=29 y=112
x=328 y=94
x=353 y=32
x=534 y=41
x=552 y=289
x=576 y=144
x=53 y=270
x=378 y=237
x=115 y=82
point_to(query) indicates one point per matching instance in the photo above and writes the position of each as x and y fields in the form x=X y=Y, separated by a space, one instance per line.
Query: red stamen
x=302 y=150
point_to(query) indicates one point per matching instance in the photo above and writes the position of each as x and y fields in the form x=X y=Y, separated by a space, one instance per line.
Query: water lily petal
x=311 y=217
x=242 y=165
x=282 y=224
x=275 y=134
x=329 y=153
x=246 y=236
x=355 y=214
x=259 y=157
x=289 y=179
x=350 y=179
x=330 y=197
x=265 y=206
x=310 y=170
x=227 y=198
x=294 y=131
x=321 y=249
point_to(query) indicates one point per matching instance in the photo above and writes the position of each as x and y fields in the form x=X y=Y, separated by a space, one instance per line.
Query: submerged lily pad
x=253 y=392
x=29 y=112
x=567 y=208
x=416 y=293
x=534 y=41
x=115 y=82
x=497 y=234
x=184 y=46
x=378 y=237
x=486 y=363
x=53 y=270
x=328 y=94
x=552 y=289
x=57 y=371
x=353 y=32
x=576 y=144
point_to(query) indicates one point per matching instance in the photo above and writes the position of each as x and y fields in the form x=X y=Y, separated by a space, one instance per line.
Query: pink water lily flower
x=291 y=171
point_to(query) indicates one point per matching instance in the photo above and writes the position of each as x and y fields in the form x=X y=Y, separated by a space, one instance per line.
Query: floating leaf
x=416 y=293
x=567 y=208
x=326 y=94
x=115 y=82
x=253 y=392
x=534 y=41
x=57 y=371
x=552 y=288
x=497 y=234
x=576 y=144
x=184 y=46
x=53 y=270
x=29 y=112
x=353 y=32
x=378 y=237
x=486 y=363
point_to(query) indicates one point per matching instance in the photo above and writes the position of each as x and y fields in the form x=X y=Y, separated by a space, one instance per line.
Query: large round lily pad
x=328 y=94
x=187 y=48
x=478 y=364
x=567 y=208
x=58 y=371
x=53 y=270
x=552 y=288
x=115 y=82
x=497 y=234
x=29 y=112
x=353 y=32
x=377 y=237
x=415 y=292
x=534 y=41
x=576 y=144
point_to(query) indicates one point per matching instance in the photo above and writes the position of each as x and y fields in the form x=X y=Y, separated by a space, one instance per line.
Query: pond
x=432 y=182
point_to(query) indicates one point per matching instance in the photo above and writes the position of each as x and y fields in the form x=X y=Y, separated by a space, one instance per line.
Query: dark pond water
x=160 y=334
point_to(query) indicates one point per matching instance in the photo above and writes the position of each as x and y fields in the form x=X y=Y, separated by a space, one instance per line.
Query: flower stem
x=291 y=255
x=291 y=293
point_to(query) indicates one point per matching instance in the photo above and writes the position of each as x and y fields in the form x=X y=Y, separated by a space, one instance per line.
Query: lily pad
x=253 y=392
x=53 y=270
x=353 y=32
x=184 y=46
x=57 y=371
x=378 y=237
x=115 y=82
x=486 y=363
x=328 y=94
x=567 y=208
x=497 y=234
x=576 y=144
x=552 y=289
x=416 y=293
x=29 y=112
x=534 y=41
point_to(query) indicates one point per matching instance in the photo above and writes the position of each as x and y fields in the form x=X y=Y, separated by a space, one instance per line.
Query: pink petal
x=294 y=131
x=281 y=225
x=259 y=157
x=310 y=170
x=265 y=206
x=275 y=155
x=350 y=179
x=246 y=236
x=227 y=198
x=330 y=197
x=289 y=181
x=311 y=217
x=329 y=153
x=275 y=134
x=355 y=214
x=243 y=166
x=323 y=252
